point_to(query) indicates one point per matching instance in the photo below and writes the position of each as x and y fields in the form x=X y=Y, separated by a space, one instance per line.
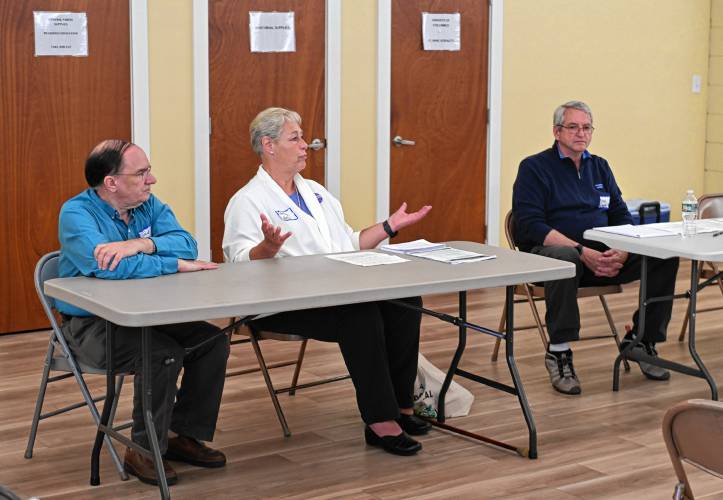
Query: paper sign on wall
x=61 y=34
x=272 y=32
x=441 y=31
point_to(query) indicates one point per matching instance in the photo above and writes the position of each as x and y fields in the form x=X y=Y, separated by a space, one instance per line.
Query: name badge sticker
x=145 y=233
x=287 y=215
x=604 y=201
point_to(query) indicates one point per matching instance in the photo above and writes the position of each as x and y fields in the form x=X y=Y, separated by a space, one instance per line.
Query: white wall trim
x=333 y=97
x=384 y=103
x=140 y=101
x=201 y=114
x=202 y=129
x=494 y=130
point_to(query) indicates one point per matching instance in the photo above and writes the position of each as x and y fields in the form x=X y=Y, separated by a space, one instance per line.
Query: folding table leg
x=691 y=330
x=509 y=355
x=148 y=413
x=107 y=405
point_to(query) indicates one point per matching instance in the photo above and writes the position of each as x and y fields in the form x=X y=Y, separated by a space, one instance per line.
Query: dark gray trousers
x=563 y=315
x=380 y=345
x=191 y=411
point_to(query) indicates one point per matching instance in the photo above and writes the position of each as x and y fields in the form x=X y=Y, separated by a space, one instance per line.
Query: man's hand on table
x=189 y=266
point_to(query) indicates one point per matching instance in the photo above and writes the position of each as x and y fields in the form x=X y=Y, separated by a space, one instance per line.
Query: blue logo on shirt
x=318 y=198
x=287 y=215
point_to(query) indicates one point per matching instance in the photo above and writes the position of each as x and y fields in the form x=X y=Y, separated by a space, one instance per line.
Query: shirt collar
x=105 y=206
x=585 y=154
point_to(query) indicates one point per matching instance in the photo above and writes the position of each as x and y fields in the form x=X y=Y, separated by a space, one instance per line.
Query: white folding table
x=700 y=247
x=249 y=289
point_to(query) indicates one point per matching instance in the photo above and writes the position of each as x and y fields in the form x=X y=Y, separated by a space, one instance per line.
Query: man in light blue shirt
x=117 y=229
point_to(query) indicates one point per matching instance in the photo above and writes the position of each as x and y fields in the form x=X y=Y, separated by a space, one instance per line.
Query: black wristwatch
x=388 y=229
x=579 y=248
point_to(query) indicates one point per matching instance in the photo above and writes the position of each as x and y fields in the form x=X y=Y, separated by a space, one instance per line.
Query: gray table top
x=274 y=285
x=699 y=247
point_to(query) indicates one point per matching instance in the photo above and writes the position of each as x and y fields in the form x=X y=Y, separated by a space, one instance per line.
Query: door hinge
x=209 y=125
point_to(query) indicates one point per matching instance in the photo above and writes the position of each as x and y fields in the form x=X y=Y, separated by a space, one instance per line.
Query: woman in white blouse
x=279 y=213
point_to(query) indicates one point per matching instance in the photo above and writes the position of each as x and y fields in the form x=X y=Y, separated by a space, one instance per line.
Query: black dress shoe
x=400 y=444
x=413 y=425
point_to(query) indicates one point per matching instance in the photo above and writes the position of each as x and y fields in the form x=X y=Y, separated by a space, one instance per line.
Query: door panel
x=54 y=109
x=243 y=83
x=439 y=101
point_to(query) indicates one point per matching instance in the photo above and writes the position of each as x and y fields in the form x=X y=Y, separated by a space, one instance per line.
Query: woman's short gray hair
x=559 y=117
x=269 y=123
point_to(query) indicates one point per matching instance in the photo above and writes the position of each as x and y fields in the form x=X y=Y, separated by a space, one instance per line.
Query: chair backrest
x=693 y=432
x=45 y=269
x=510 y=230
x=710 y=206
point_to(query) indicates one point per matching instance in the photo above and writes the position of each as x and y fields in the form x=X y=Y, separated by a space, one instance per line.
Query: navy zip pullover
x=549 y=193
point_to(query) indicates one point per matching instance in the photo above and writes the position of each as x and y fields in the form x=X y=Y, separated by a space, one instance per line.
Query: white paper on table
x=411 y=247
x=366 y=259
x=272 y=31
x=644 y=231
x=454 y=256
x=701 y=226
x=708 y=225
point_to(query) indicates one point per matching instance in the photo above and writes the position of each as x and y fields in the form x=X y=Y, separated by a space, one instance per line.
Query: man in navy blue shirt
x=116 y=229
x=558 y=194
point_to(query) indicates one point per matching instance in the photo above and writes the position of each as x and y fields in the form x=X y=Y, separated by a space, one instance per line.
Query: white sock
x=564 y=346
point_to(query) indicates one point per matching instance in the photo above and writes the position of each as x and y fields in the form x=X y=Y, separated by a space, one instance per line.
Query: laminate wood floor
x=598 y=445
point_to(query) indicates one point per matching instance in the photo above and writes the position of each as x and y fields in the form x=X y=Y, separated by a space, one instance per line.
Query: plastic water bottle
x=690 y=213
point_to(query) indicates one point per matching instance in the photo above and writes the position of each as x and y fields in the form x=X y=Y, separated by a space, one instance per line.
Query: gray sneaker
x=650 y=371
x=562 y=373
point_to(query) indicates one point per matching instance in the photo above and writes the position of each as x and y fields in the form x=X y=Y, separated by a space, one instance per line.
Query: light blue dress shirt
x=86 y=221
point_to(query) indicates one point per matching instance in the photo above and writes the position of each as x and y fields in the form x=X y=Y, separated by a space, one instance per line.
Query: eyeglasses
x=575 y=128
x=141 y=174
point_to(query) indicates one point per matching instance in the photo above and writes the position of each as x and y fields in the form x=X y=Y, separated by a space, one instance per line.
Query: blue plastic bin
x=633 y=206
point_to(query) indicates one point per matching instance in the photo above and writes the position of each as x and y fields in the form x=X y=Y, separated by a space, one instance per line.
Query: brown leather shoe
x=142 y=467
x=190 y=451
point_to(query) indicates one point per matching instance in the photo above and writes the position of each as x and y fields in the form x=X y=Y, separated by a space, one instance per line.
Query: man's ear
x=110 y=183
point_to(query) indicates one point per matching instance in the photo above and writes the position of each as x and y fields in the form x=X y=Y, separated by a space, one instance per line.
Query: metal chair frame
x=254 y=337
x=709 y=206
x=59 y=357
x=693 y=433
x=533 y=293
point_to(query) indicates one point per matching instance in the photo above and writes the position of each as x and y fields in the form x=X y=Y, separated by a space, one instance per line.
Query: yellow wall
x=632 y=61
x=358 y=111
x=170 y=40
x=714 y=145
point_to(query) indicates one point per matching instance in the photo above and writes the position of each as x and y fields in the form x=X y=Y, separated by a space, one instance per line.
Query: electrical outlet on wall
x=695 y=87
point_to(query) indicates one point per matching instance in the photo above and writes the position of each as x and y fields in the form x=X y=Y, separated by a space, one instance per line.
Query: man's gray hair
x=269 y=123
x=559 y=117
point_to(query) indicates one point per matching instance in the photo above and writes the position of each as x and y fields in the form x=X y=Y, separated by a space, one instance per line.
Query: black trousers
x=563 y=315
x=379 y=342
x=191 y=411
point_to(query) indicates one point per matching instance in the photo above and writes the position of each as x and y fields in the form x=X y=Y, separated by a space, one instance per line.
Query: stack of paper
x=644 y=231
x=367 y=259
x=454 y=256
x=413 y=247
